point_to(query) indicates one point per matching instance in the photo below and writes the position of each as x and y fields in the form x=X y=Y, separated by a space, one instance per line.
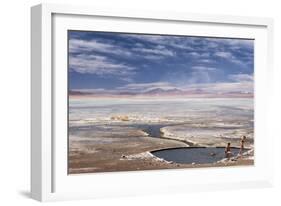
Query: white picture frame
x=49 y=179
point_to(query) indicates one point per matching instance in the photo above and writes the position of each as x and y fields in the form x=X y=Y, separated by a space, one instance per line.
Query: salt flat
x=103 y=132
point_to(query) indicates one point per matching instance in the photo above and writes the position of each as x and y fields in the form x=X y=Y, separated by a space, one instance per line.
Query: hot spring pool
x=197 y=155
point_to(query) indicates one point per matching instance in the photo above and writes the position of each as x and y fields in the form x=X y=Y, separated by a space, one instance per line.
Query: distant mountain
x=238 y=92
x=158 y=91
x=72 y=92
x=164 y=92
x=127 y=93
x=195 y=91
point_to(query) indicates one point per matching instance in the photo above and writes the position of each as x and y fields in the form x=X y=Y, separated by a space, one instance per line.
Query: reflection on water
x=197 y=155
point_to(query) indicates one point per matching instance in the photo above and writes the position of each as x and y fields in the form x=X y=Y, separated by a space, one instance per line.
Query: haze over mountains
x=162 y=92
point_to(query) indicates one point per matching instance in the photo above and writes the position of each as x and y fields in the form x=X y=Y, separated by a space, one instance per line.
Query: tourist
x=227 y=151
x=242 y=144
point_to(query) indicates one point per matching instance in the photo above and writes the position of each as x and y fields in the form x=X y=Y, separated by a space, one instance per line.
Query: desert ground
x=120 y=135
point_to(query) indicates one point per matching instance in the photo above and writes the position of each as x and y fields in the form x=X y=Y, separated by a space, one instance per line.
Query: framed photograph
x=136 y=102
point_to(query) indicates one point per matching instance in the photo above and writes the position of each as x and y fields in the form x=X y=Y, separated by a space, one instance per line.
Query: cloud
x=225 y=55
x=231 y=43
x=140 y=51
x=159 y=50
x=243 y=83
x=207 y=61
x=100 y=65
x=153 y=57
x=177 y=42
x=203 y=68
x=241 y=77
x=188 y=60
x=200 y=76
x=197 y=54
x=196 y=74
x=156 y=47
x=82 y=46
x=211 y=44
x=222 y=87
x=152 y=52
x=239 y=43
x=83 y=59
x=147 y=86
x=230 y=57
x=154 y=39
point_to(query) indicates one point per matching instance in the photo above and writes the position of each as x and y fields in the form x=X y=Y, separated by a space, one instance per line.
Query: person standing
x=227 y=151
x=242 y=144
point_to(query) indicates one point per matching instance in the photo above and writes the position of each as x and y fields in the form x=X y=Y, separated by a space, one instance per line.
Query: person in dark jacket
x=227 y=151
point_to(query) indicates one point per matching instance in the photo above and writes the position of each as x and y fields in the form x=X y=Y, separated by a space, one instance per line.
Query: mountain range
x=161 y=92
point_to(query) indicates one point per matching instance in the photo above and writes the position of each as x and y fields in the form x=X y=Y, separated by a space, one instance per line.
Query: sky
x=103 y=61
